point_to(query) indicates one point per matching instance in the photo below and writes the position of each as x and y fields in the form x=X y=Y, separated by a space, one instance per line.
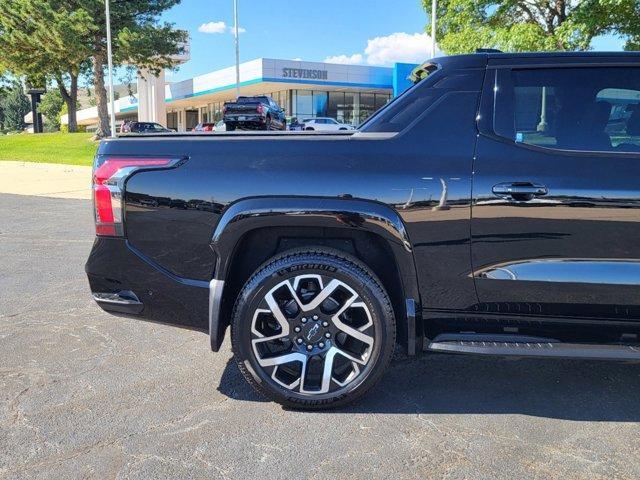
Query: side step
x=526 y=346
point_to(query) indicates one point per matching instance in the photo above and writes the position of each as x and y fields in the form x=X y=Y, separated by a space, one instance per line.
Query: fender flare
x=261 y=212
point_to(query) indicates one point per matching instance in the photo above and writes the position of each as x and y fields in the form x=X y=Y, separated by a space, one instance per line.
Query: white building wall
x=151 y=104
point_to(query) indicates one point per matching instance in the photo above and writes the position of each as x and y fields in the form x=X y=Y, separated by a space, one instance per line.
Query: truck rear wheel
x=313 y=329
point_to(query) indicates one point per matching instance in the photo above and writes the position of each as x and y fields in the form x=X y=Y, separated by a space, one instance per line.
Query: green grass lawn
x=70 y=148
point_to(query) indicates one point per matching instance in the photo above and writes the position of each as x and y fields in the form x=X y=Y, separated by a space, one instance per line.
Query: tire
x=230 y=127
x=284 y=125
x=267 y=123
x=282 y=342
x=309 y=128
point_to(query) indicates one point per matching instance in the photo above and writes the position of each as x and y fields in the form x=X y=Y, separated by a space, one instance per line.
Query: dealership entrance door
x=191 y=117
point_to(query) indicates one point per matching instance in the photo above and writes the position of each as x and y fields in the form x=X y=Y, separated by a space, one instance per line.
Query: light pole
x=110 y=65
x=542 y=126
x=434 y=6
x=235 y=19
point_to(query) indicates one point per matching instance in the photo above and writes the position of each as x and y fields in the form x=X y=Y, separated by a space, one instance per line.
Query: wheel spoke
x=282 y=359
x=326 y=373
x=277 y=313
x=290 y=386
x=323 y=295
x=351 y=376
x=355 y=333
x=361 y=361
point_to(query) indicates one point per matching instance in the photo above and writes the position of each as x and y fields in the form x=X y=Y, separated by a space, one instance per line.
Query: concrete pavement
x=87 y=395
x=45 y=180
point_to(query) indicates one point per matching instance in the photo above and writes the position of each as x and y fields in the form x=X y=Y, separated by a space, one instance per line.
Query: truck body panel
x=420 y=177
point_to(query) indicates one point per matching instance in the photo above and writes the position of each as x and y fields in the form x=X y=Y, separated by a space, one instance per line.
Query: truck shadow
x=452 y=384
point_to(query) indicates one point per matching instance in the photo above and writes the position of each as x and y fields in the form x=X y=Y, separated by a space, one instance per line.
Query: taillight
x=224 y=110
x=260 y=108
x=109 y=175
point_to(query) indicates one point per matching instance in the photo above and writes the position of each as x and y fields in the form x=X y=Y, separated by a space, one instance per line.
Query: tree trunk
x=101 y=97
x=72 y=105
x=70 y=97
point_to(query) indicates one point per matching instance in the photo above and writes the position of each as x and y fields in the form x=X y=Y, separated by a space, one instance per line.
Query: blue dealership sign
x=401 y=72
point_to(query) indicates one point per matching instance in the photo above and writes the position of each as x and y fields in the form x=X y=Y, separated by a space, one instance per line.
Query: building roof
x=283 y=74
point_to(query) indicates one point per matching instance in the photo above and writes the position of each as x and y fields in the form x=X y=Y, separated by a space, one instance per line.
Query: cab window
x=584 y=109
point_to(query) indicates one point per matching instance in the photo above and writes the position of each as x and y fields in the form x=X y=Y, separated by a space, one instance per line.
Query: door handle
x=522 y=191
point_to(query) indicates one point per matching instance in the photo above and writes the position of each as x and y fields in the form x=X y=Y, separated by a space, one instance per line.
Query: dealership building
x=349 y=93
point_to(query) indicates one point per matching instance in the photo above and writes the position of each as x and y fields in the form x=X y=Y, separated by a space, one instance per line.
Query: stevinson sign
x=304 y=73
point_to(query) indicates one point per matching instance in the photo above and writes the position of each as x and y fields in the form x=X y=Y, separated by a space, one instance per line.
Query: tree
x=139 y=39
x=15 y=105
x=38 y=40
x=51 y=107
x=533 y=25
x=44 y=39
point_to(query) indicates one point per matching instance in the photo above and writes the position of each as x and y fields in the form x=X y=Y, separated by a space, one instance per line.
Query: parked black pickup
x=256 y=113
x=493 y=208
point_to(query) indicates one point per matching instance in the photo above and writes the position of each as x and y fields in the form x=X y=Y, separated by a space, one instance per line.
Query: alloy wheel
x=313 y=334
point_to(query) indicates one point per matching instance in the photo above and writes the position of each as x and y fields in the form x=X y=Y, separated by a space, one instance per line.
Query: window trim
x=490 y=89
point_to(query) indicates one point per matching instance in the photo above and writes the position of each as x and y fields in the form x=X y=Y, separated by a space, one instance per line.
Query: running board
x=525 y=346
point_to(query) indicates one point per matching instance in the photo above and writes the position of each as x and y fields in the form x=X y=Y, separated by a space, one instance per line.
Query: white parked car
x=325 y=124
x=220 y=126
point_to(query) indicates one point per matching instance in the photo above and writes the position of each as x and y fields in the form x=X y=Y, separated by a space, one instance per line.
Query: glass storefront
x=347 y=107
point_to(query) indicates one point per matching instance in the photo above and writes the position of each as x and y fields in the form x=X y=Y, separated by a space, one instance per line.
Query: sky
x=312 y=30
x=373 y=32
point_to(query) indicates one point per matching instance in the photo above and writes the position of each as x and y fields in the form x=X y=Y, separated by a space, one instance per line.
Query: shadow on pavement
x=452 y=384
x=233 y=385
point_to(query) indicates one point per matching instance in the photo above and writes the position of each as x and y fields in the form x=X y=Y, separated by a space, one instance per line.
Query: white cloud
x=219 y=27
x=384 y=51
x=213 y=27
x=345 y=59
x=398 y=47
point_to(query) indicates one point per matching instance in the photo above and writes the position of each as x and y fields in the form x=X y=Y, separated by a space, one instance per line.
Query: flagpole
x=235 y=19
x=434 y=6
x=110 y=66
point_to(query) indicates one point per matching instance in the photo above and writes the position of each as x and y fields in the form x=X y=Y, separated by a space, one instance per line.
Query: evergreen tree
x=15 y=105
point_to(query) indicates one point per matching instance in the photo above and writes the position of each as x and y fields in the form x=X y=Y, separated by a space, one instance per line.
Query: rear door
x=556 y=191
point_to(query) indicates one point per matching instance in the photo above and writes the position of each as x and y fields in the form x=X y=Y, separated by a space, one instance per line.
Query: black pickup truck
x=493 y=208
x=254 y=113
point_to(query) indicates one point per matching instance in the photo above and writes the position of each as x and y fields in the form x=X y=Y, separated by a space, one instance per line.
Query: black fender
x=254 y=213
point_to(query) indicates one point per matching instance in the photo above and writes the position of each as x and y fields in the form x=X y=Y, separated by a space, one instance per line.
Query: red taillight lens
x=260 y=108
x=109 y=174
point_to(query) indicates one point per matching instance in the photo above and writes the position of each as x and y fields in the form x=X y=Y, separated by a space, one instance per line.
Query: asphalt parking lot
x=87 y=395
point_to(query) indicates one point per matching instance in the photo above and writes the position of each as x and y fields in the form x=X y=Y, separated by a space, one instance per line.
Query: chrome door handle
x=520 y=190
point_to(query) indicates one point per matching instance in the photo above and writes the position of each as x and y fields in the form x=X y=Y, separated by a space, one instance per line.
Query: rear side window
x=584 y=109
x=417 y=100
